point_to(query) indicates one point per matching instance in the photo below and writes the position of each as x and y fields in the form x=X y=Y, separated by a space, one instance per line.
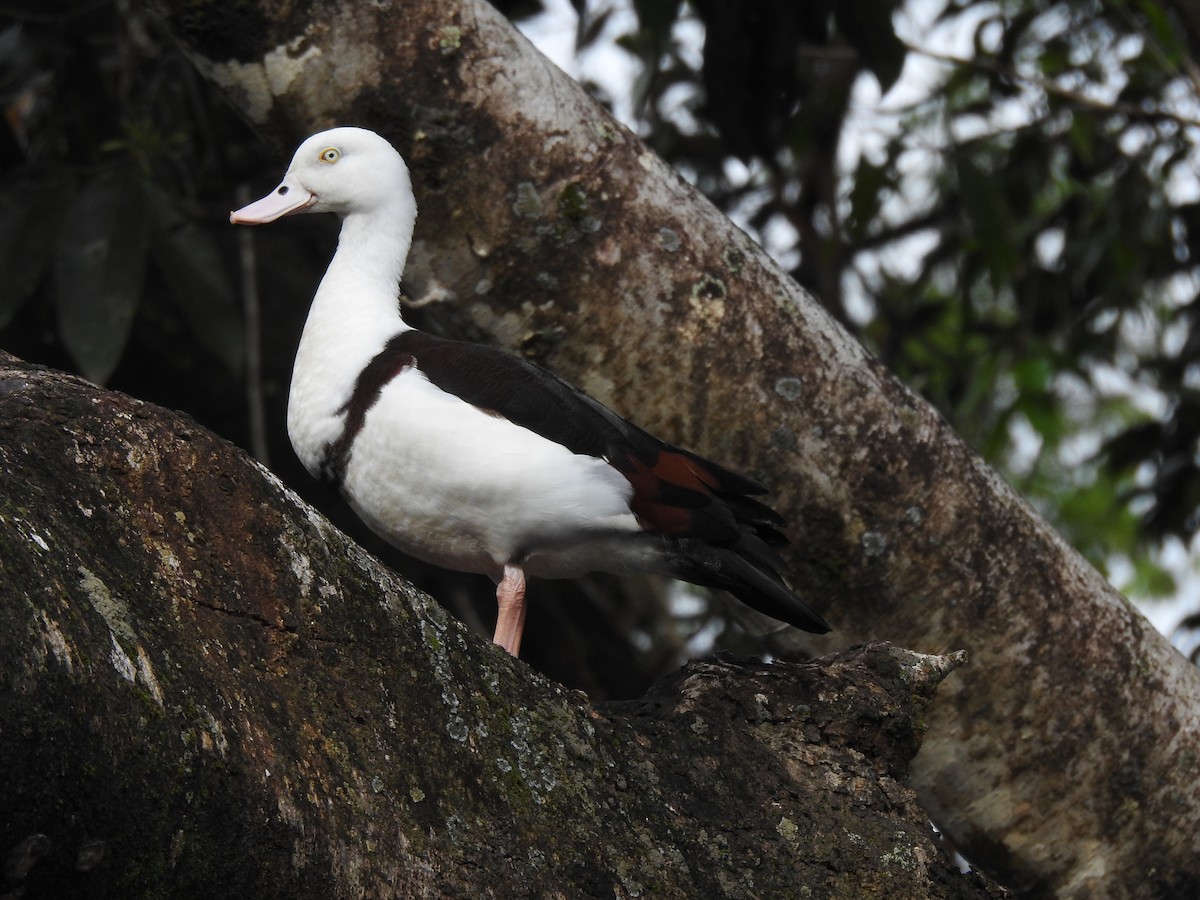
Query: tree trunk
x=1064 y=761
x=210 y=692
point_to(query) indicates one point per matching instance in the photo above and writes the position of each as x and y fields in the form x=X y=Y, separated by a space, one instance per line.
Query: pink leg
x=510 y=621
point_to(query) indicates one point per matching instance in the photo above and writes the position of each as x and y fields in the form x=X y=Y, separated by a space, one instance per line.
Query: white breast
x=470 y=490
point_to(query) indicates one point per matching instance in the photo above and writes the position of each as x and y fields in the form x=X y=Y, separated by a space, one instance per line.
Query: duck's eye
x=331 y=155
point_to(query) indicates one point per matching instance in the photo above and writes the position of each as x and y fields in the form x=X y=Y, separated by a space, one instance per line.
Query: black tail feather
x=749 y=572
x=772 y=597
x=751 y=511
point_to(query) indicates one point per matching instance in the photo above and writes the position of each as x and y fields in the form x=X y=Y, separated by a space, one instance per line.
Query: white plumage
x=476 y=460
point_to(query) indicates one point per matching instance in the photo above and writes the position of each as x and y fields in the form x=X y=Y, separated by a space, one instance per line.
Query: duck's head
x=342 y=170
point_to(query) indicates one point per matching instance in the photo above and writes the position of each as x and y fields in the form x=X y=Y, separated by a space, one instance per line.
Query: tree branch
x=210 y=692
x=1062 y=759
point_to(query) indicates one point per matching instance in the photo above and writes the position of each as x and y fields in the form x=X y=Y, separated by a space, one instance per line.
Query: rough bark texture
x=1067 y=758
x=210 y=692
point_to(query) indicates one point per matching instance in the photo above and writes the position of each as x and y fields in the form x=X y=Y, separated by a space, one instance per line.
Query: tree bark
x=210 y=692
x=1065 y=760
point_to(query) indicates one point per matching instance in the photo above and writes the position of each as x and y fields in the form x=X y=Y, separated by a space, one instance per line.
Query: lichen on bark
x=209 y=692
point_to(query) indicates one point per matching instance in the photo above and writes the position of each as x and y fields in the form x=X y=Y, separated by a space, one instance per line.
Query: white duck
x=474 y=459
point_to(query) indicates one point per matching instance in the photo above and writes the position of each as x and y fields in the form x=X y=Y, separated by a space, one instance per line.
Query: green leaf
x=99 y=269
x=1055 y=57
x=190 y=262
x=31 y=211
x=867 y=25
x=1083 y=136
x=1150 y=580
x=992 y=220
x=590 y=28
x=657 y=17
x=1167 y=34
x=1045 y=416
x=866 y=196
x=1033 y=373
x=1015 y=30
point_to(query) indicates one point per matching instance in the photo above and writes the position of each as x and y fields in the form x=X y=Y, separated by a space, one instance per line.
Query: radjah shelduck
x=474 y=459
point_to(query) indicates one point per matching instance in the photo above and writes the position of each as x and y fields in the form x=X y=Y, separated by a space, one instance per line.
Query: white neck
x=354 y=313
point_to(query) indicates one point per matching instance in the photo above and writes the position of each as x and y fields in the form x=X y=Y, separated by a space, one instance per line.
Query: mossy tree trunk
x=210 y=692
x=1064 y=760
